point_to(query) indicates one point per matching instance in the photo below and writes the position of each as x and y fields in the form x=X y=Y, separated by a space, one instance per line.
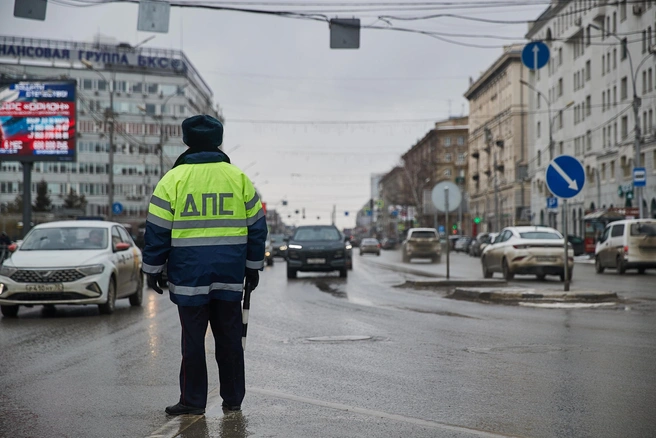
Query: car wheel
x=108 y=307
x=486 y=273
x=9 y=311
x=343 y=273
x=137 y=297
x=541 y=277
x=507 y=274
x=598 y=266
x=291 y=273
x=621 y=269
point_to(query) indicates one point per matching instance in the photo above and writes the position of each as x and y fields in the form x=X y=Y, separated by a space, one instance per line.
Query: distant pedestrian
x=207 y=226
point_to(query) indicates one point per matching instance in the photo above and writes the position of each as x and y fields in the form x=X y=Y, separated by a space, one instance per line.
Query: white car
x=539 y=251
x=72 y=262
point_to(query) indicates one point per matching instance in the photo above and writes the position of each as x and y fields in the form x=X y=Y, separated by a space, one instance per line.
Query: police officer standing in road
x=206 y=225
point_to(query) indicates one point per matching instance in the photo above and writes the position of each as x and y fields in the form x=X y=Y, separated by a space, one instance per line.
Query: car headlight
x=349 y=246
x=92 y=269
x=267 y=254
x=293 y=246
x=283 y=248
x=7 y=271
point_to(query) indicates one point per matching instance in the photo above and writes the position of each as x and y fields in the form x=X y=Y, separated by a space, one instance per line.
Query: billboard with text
x=37 y=120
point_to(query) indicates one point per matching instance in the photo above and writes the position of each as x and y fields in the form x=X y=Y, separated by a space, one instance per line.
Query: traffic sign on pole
x=440 y=193
x=639 y=177
x=535 y=55
x=552 y=202
x=117 y=208
x=565 y=176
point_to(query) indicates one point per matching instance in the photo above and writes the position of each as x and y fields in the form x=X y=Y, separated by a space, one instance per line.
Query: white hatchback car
x=527 y=250
x=72 y=262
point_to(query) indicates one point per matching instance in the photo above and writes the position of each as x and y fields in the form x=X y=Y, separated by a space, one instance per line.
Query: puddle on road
x=331 y=287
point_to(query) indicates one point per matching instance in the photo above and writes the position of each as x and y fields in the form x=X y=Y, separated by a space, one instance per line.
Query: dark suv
x=316 y=248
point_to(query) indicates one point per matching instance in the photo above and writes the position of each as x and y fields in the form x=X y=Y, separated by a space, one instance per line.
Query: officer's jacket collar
x=193 y=156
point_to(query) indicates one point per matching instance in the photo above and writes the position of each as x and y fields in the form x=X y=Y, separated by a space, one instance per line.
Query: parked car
x=316 y=248
x=72 y=262
x=389 y=243
x=462 y=244
x=422 y=243
x=627 y=244
x=577 y=243
x=452 y=242
x=278 y=245
x=527 y=250
x=370 y=246
x=475 y=246
x=490 y=240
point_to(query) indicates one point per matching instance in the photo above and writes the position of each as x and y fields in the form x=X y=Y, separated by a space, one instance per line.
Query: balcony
x=476 y=154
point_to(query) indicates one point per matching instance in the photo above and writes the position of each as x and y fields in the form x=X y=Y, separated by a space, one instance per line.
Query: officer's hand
x=252 y=277
x=152 y=280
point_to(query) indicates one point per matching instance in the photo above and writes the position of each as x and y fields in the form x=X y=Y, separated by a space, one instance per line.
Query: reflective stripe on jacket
x=206 y=221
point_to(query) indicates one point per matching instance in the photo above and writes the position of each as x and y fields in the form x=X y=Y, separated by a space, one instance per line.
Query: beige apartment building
x=498 y=186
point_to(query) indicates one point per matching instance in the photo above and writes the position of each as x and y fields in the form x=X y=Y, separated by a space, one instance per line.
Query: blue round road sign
x=565 y=176
x=535 y=55
x=117 y=208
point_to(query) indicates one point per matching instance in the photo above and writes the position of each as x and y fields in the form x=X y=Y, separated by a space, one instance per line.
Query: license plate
x=316 y=261
x=546 y=259
x=56 y=287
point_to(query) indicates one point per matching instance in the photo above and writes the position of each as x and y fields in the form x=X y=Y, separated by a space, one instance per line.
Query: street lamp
x=636 y=109
x=160 y=119
x=110 y=189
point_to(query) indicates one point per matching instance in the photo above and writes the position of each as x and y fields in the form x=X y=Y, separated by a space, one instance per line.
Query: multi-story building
x=441 y=155
x=152 y=91
x=584 y=102
x=499 y=193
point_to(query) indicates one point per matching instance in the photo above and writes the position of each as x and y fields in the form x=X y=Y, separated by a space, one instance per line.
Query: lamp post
x=110 y=189
x=637 y=102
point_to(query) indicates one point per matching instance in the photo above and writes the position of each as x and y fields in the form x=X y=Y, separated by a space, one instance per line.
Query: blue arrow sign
x=535 y=55
x=565 y=176
x=552 y=202
x=117 y=208
x=639 y=177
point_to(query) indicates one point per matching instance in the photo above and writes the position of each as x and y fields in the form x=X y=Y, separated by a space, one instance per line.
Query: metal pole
x=460 y=216
x=566 y=245
x=110 y=189
x=497 y=218
x=598 y=188
x=27 y=197
x=448 y=243
x=636 y=146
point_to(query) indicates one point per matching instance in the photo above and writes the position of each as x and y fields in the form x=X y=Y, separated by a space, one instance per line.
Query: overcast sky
x=311 y=124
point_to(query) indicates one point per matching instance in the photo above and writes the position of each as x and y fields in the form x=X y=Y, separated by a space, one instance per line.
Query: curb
x=509 y=295
x=454 y=283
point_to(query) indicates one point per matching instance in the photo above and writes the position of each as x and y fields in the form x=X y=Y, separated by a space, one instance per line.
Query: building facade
x=582 y=103
x=152 y=91
x=498 y=188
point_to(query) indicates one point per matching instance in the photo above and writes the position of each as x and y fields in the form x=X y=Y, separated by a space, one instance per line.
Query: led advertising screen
x=37 y=120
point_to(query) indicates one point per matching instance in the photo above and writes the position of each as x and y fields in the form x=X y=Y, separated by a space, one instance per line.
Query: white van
x=627 y=244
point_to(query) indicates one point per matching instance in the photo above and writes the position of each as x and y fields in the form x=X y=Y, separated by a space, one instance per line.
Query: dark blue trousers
x=224 y=318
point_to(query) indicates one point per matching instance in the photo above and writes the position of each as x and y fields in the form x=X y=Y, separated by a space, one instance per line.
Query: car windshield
x=539 y=235
x=644 y=229
x=423 y=235
x=68 y=238
x=317 y=233
x=277 y=238
x=369 y=242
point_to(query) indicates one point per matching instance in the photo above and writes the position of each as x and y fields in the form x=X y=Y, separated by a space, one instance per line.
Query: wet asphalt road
x=356 y=357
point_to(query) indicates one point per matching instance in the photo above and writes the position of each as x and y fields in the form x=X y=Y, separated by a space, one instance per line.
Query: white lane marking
x=373 y=413
x=566 y=305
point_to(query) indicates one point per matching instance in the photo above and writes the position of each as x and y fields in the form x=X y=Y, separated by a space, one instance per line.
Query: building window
x=447 y=158
x=102 y=85
x=560 y=56
x=461 y=140
x=461 y=158
x=447 y=173
x=644 y=41
x=614 y=95
x=152 y=88
x=624 y=49
x=603 y=178
x=623 y=10
x=588 y=68
x=588 y=142
x=625 y=127
x=539 y=133
x=87 y=84
x=603 y=103
x=614 y=59
x=560 y=87
x=624 y=88
x=612 y=169
x=588 y=105
x=137 y=88
x=447 y=141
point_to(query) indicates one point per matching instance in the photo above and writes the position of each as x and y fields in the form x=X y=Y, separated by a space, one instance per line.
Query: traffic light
x=477 y=220
x=454 y=226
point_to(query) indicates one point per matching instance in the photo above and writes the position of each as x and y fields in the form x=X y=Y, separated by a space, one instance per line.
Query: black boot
x=227 y=407
x=181 y=409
